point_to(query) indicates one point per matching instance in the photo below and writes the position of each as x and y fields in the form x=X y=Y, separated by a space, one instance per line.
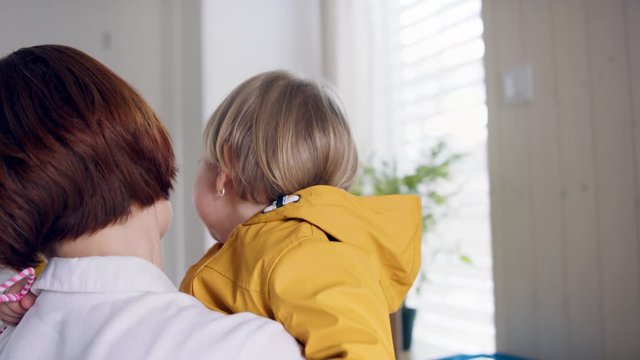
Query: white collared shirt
x=118 y=307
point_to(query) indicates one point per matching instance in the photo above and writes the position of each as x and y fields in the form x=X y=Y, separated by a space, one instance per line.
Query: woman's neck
x=138 y=235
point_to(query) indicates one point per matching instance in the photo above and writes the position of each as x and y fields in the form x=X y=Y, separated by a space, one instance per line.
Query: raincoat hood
x=387 y=227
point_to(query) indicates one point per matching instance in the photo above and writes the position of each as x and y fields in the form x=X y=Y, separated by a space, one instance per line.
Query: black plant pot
x=408 y=319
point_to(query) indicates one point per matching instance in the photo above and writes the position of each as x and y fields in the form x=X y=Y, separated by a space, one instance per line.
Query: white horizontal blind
x=437 y=91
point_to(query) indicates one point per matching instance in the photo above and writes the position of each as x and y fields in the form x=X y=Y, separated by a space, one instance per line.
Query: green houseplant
x=426 y=180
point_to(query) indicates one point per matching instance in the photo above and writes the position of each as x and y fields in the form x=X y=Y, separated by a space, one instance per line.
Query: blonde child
x=294 y=245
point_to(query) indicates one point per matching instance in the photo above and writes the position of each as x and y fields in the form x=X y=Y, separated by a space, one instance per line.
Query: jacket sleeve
x=327 y=295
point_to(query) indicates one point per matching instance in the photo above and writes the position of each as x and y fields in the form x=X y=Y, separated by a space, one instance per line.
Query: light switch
x=517 y=86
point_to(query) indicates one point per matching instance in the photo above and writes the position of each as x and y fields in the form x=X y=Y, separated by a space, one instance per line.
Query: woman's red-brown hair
x=79 y=148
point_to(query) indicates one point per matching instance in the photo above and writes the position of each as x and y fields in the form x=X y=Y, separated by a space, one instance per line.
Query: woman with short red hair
x=85 y=177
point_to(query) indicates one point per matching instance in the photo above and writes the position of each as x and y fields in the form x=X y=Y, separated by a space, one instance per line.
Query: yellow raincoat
x=329 y=267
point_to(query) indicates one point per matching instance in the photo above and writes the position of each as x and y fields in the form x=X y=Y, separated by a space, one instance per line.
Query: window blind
x=437 y=92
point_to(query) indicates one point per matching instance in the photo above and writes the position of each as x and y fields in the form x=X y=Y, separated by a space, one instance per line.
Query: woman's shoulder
x=186 y=324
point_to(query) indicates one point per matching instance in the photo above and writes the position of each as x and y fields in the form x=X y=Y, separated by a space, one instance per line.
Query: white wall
x=243 y=38
x=123 y=35
x=564 y=168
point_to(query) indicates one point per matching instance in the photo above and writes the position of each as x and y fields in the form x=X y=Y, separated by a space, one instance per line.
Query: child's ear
x=223 y=181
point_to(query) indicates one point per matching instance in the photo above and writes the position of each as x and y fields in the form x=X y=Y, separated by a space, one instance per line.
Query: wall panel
x=564 y=178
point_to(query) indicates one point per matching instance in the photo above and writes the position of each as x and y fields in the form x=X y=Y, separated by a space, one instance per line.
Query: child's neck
x=242 y=211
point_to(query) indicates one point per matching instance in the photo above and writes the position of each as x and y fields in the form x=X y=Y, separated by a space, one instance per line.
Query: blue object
x=496 y=356
x=408 y=320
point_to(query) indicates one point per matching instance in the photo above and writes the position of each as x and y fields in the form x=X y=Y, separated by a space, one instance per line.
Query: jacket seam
x=228 y=278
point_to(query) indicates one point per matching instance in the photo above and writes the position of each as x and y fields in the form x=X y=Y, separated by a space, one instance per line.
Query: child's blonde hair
x=276 y=134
